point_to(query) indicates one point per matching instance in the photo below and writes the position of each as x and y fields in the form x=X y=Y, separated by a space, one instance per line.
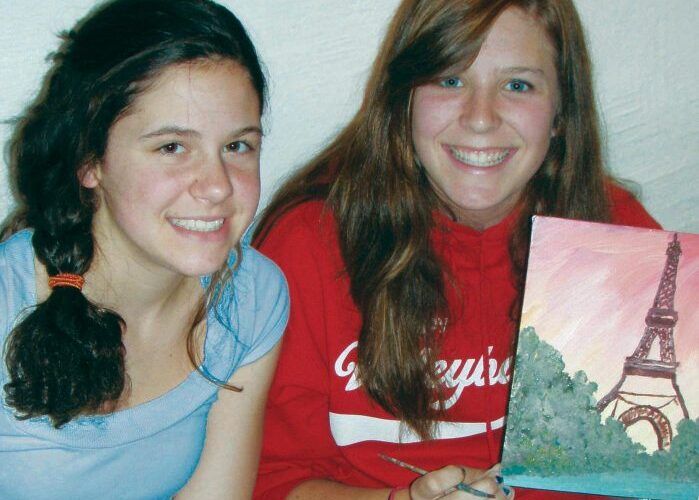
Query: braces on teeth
x=480 y=158
x=198 y=225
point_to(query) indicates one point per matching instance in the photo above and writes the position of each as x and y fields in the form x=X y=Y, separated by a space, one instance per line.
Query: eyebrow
x=188 y=132
x=524 y=69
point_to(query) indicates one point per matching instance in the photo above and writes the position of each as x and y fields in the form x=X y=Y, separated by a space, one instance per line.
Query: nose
x=212 y=183
x=480 y=110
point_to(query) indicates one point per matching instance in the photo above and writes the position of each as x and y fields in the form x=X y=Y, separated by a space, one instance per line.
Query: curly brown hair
x=66 y=357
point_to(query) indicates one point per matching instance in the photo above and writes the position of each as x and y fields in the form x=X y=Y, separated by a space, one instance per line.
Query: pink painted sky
x=589 y=288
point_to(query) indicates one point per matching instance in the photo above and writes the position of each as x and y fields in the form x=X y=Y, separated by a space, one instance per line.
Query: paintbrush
x=461 y=486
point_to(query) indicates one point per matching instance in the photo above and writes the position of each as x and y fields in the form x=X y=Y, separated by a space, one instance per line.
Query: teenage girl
x=139 y=334
x=404 y=243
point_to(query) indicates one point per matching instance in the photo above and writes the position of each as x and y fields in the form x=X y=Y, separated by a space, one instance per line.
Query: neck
x=148 y=298
x=135 y=292
x=480 y=220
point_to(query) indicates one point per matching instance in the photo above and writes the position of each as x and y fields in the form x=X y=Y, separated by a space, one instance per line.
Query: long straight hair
x=66 y=357
x=383 y=203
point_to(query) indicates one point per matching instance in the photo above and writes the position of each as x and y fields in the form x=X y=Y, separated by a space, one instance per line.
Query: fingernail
x=506 y=490
x=499 y=479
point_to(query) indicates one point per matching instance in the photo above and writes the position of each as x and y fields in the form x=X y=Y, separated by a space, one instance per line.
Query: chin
x=476 y=204
x=200 y=267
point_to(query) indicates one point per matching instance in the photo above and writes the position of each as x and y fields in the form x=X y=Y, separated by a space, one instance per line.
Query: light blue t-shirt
x=150 y=450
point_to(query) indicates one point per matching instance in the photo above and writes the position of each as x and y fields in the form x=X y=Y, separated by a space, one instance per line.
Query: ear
x=89 y=175
x=556 y=128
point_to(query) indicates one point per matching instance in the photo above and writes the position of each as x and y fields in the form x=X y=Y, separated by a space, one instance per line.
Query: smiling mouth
x=202 y=226
x=481 y=159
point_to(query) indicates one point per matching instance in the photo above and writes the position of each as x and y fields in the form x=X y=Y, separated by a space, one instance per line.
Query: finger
x=496 y=472
x=509 y=492
x=490 y=485
x=473 y=475
x=435 y=483
x=455 y=493
x=484 y=487
x=444 y=494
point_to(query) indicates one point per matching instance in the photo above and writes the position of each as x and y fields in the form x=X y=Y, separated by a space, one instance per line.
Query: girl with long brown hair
x=404 y=243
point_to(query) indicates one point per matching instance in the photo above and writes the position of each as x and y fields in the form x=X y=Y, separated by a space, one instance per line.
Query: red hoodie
x=321 y=424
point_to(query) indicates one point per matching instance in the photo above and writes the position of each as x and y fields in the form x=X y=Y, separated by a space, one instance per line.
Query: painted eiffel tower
x=650 y=405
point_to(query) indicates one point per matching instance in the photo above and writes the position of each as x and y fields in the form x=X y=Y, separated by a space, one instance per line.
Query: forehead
x=198 y=88
x=521 y=35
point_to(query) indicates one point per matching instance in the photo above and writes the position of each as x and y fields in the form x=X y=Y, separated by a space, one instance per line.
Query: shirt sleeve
x=8 y=314
x=268 y=311
x=16 y=288
x=297 y=444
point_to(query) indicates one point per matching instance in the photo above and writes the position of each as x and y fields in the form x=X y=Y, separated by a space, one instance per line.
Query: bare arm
x=228 y=464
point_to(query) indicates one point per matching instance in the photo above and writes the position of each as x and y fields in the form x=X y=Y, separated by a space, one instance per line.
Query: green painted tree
x=681 y=461
x=553 y=426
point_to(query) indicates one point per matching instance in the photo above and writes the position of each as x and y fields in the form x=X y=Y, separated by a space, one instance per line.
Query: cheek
x=246 y=191
x=159 y=191
x=143 y=193
x=534 y=122
x=431 y=115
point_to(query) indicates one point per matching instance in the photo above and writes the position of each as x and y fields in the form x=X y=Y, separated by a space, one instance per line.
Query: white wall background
x=317 y=53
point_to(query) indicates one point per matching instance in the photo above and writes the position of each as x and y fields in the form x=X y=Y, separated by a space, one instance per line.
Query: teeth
x=204 y=226
x=479 y=158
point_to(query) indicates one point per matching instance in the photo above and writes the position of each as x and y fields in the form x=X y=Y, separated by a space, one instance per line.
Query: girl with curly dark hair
x=139 y=334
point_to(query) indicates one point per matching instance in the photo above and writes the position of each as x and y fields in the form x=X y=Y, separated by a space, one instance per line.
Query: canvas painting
x=605 y=395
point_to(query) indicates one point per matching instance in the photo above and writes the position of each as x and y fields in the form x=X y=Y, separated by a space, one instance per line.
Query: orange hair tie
x=67 y=279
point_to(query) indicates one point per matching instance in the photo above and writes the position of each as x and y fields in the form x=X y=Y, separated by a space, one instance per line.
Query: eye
x=450 y=82
x=238 y=147
x=171 y=148
x=518 y=86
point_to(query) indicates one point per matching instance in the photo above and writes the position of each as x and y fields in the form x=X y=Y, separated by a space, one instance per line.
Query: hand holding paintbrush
x=466 y=484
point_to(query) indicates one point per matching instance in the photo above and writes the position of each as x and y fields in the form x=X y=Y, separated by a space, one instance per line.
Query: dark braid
x=66 y=357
